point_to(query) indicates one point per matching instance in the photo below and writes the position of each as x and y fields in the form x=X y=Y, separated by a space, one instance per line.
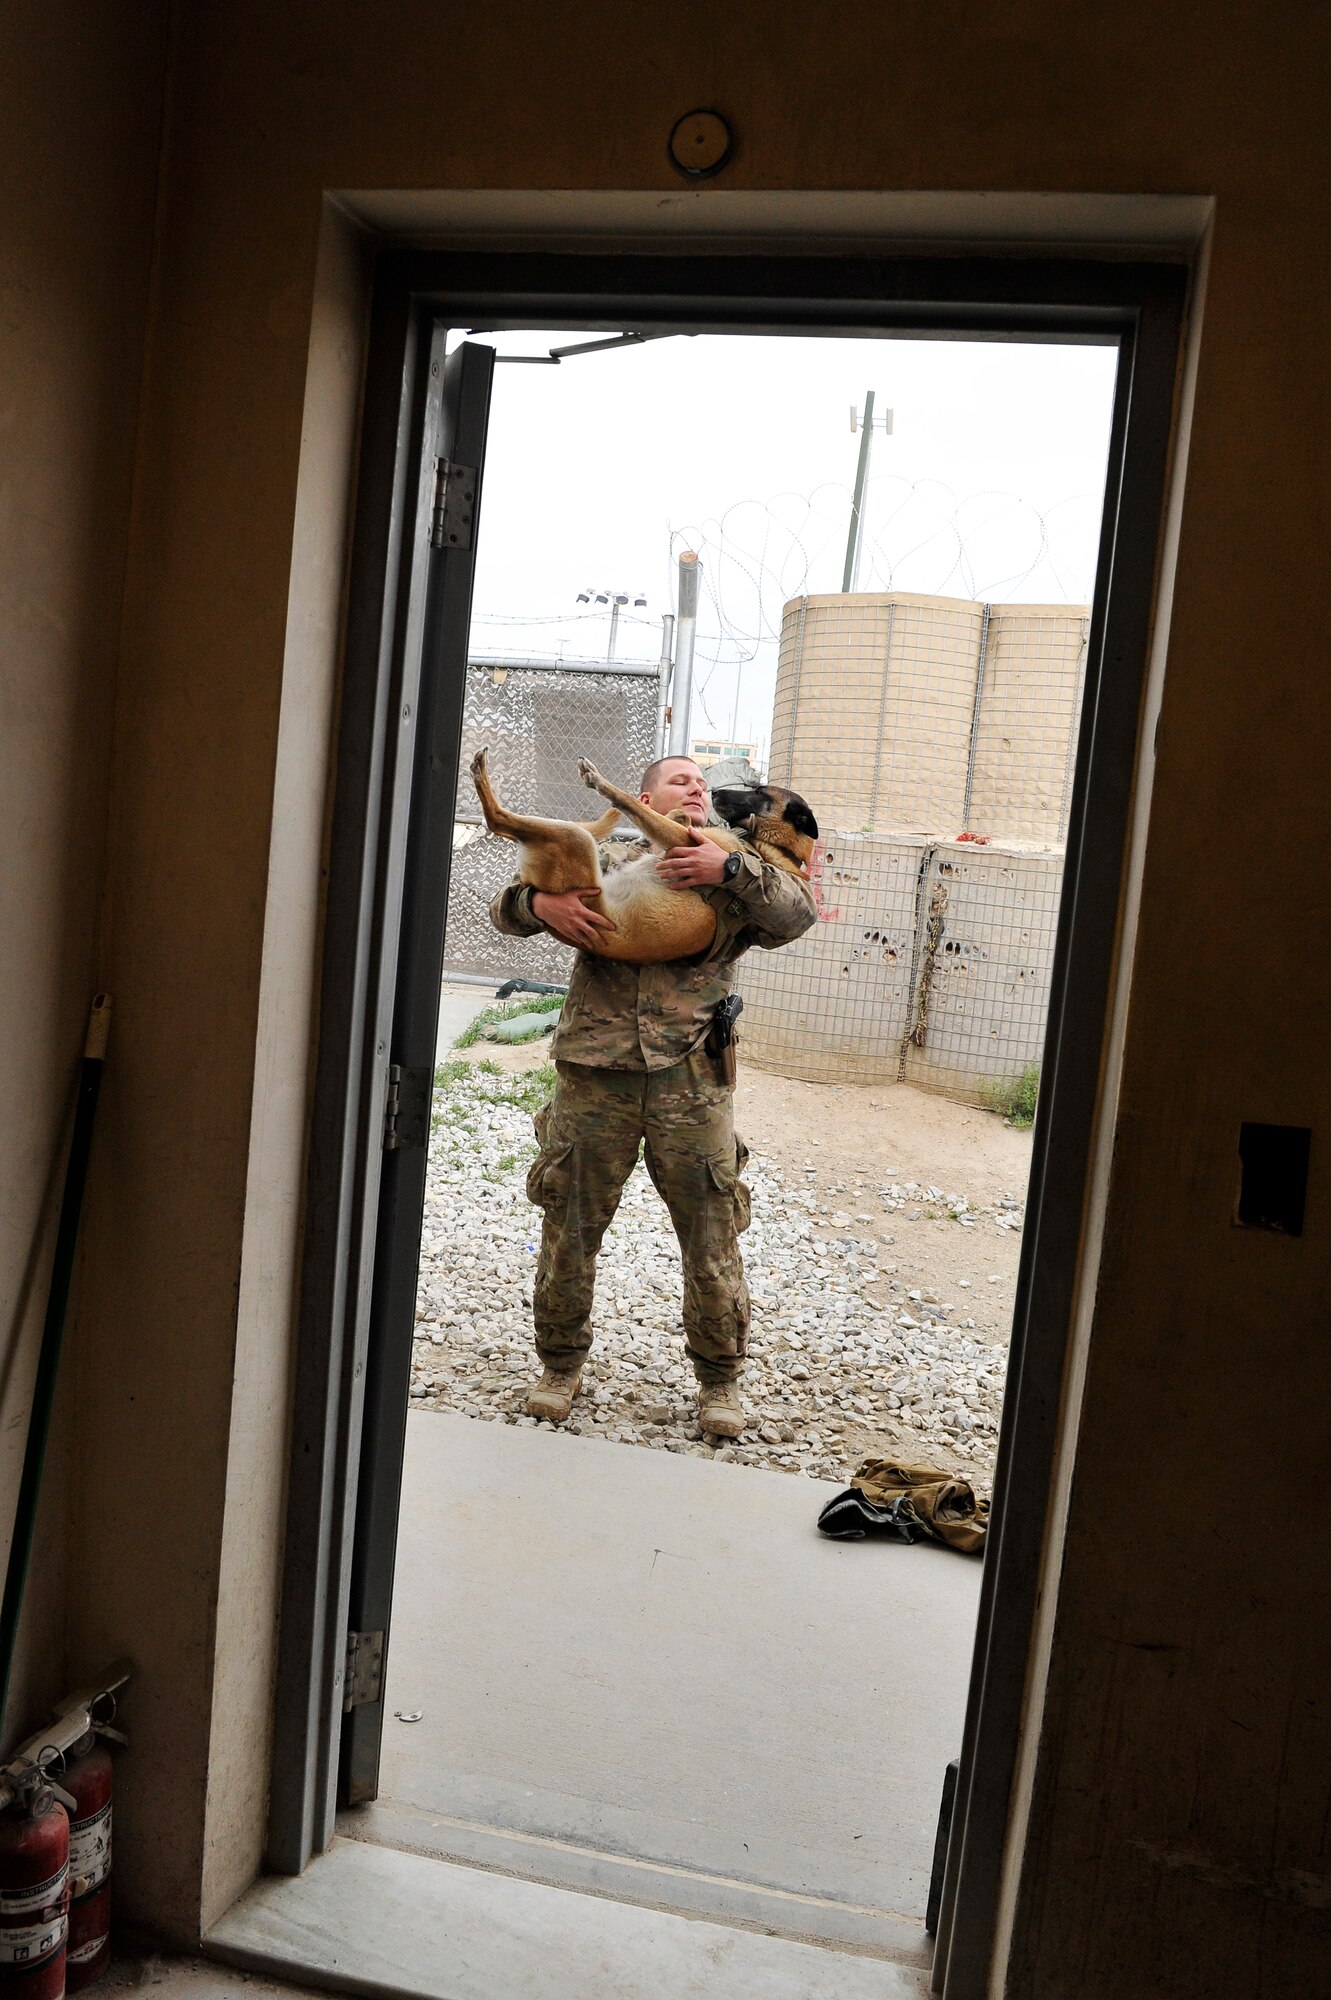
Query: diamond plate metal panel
x=536 y=721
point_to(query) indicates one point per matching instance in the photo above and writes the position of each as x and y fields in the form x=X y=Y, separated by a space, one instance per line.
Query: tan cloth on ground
x=949 y=1508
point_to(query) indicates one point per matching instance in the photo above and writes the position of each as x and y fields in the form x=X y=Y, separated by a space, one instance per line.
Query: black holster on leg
x=721 y=1037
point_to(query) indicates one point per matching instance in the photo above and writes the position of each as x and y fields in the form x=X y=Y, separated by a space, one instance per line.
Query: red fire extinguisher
x=34 y=1893
x=87 y=1779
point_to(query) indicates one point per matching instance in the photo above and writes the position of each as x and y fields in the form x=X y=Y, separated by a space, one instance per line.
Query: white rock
x=886 y=1370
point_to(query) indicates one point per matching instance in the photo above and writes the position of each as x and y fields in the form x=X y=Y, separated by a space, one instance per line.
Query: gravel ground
x=852 y=1351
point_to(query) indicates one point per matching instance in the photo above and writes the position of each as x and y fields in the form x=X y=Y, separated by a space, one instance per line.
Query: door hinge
x=364 y=1681
x=407 y=1107
x=454 y=509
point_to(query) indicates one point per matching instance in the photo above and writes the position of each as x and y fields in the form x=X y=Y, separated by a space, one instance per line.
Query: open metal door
x=463 y=414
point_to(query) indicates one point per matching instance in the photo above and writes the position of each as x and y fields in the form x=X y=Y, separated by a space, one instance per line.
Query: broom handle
x=48 y=1361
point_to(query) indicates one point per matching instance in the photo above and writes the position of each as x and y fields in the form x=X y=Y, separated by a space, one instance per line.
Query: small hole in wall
x=1273 y=1177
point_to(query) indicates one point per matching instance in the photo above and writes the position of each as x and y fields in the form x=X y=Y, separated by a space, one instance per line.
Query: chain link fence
x=536 y=718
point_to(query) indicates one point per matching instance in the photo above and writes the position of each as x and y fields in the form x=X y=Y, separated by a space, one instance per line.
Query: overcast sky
x=599 y=471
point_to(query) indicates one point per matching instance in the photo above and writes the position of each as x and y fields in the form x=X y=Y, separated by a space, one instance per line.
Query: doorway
x=422 y=602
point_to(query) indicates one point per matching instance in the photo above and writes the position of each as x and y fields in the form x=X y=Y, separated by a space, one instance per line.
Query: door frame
x=1139 y=305
x=464 y=380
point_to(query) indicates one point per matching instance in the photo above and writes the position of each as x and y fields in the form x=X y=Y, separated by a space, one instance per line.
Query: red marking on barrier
x=827 y=912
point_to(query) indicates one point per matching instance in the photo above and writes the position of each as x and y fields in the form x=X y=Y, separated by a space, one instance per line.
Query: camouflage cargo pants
x=589 y=1135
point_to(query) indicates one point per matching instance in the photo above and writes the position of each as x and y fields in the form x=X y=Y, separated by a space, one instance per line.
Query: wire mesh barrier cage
x=930 y=714
x=985 y=928
x=873 y=706
x=536 y=718
x=907 y=722
x=930 y=964
x=834 y=1006
x=1024 y=733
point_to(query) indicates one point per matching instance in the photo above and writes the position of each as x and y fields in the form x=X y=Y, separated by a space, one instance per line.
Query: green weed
x=1015 y=1098
x=461 y=1086
x=447 y=1073
x=529 y=1089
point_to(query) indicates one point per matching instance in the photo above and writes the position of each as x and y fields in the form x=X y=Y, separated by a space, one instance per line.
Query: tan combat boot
x=720 y=1411
x=552 y=1397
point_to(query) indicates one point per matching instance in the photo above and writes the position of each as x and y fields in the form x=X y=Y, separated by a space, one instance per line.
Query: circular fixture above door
x=700 y=144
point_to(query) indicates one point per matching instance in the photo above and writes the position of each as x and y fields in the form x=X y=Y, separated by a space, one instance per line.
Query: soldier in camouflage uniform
x=632 y=1068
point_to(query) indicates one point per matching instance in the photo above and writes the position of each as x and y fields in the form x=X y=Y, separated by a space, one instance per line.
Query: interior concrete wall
x=250 y=1558
x=1179 y=1845
x=78 y=165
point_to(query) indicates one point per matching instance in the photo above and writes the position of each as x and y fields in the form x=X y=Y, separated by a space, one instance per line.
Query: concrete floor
x=647 y=1675
x=172 y=1976
x=648 y=1693
x=458 y=1007
x=366 y=1919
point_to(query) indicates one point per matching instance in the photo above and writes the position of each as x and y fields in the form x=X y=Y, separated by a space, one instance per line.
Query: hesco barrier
x=536 y=718
x=930 y=715
x=930 y=964
x=906 y=721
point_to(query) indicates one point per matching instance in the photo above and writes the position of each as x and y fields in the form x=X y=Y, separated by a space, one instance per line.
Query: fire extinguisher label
x=90 y=1851
x=83 y=1953
x=28 y=1942
x=40 y=1896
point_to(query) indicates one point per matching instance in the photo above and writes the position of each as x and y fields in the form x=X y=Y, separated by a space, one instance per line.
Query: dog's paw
x=478 y=769
x=590 y=775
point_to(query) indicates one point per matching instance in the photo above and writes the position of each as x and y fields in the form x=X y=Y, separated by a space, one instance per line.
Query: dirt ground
x=856 y=1136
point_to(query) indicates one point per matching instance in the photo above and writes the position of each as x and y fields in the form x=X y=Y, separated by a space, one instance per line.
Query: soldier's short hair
x=648 y=778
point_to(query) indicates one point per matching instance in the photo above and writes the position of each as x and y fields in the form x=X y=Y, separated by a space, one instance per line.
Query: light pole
x=614 y=598
x=866 y=426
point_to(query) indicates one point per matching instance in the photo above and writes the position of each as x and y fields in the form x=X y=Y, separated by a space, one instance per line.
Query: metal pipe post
x=663 y=686
x=681 y=699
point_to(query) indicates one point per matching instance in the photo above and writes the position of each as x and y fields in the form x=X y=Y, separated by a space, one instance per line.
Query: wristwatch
x=734 y=862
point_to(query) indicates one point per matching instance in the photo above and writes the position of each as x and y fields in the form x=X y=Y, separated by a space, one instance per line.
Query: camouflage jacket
x=652 y=1016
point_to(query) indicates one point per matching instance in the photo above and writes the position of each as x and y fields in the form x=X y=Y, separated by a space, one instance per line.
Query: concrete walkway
x=459 y=1005
x=646 y=1674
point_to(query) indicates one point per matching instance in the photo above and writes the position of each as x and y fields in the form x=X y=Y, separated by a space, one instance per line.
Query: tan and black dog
x=653 y=922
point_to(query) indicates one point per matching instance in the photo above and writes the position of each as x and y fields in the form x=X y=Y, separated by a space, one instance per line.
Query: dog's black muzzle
x=735 y=804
